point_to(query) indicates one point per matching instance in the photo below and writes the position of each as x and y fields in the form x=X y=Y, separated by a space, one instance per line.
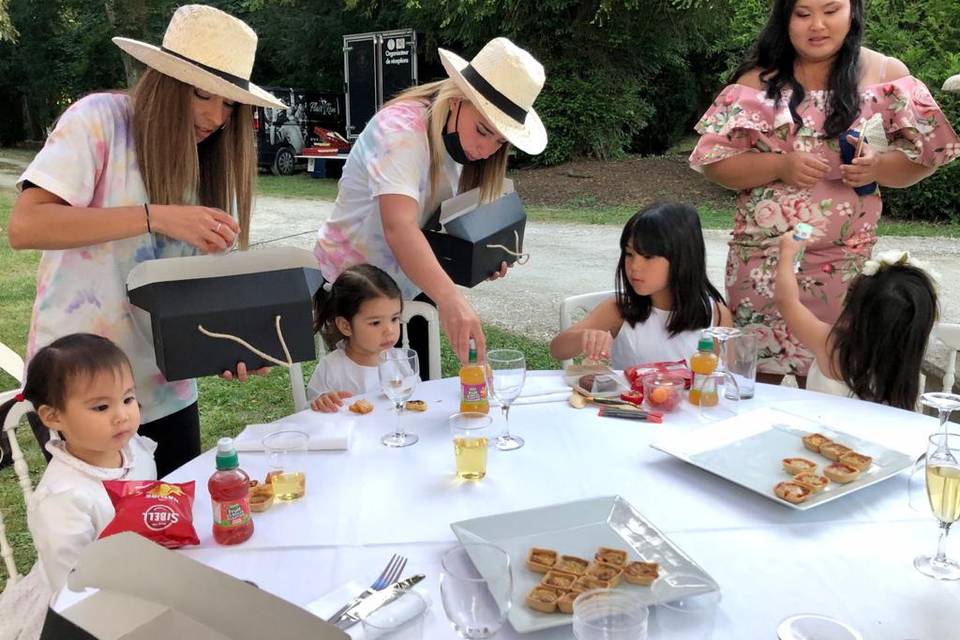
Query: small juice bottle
x=703 y=363
x=230 y=494
x=473 y=385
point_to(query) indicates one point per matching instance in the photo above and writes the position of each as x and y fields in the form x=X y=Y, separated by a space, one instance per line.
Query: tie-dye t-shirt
x=391 y=156
x=90 y=161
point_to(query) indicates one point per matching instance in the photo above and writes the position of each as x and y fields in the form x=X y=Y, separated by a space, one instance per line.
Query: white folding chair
x=13 y=364
x=949 y=334
x=574 y=307
x=411 y=308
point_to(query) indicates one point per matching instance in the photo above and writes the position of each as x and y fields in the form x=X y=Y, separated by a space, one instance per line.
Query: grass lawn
x=298 y=186
x=225 y=407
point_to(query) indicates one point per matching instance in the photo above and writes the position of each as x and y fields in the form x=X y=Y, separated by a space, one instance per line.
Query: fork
x=390 y=574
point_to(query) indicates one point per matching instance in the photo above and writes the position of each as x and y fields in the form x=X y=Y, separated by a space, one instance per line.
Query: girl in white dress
x=875 y=349
x=663 y=296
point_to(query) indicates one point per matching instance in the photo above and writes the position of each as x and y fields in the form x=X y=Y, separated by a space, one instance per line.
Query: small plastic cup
x=286 y=455
x=609 y=614
x=662 y=391
x=691 y=613
x=401 y=619
x=471 y=439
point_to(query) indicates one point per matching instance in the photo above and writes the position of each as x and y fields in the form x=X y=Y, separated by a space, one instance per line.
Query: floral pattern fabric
x=744 y=120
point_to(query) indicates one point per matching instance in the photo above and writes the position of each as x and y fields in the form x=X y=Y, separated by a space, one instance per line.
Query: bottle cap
x=802 y=231
x=227 y=457
x=472 y=356
x=705 y=344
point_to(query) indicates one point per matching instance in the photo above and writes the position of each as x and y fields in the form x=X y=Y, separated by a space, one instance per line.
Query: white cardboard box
x=143 y=591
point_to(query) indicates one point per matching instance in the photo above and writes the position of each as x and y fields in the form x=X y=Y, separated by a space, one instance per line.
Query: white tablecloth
x=851 y=558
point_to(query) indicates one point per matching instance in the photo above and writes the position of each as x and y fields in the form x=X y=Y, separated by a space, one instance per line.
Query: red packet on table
x=677 y=367
x=159 y=511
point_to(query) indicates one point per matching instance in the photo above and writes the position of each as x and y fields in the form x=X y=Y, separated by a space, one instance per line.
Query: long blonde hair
x=487 y=175
x=220 y=173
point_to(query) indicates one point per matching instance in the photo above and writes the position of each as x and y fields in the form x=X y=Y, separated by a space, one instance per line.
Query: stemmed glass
x=943 y=490
x=506 y=371
x=476 y=586
x=945 y=404
x=399 y=371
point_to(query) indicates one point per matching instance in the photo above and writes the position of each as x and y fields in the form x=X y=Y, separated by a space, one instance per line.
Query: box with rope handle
x=207 y=313
x=471 y=240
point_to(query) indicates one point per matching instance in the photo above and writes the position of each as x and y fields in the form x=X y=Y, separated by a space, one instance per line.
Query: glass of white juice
x=286 y=455
x=471 y=434
x=943 y=490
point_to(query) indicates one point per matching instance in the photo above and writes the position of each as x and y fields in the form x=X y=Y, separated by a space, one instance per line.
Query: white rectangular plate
x=578 y=529
x=748 y=449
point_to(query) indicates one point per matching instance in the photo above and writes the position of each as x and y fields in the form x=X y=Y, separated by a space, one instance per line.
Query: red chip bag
x=678 y=367
x=157 y=510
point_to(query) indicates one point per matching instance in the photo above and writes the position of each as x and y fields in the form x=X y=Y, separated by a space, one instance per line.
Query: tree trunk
x=128 y=18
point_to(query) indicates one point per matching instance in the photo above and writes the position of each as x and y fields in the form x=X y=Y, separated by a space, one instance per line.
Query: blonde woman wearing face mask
x=424 y=146
x=125 y=178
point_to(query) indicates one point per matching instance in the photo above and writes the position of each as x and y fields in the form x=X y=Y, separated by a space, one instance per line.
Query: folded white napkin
x=538 y=386
x=326 y=431
x=328 y=604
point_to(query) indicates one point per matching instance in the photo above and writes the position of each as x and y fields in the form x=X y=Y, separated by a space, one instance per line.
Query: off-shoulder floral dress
x=742 y=120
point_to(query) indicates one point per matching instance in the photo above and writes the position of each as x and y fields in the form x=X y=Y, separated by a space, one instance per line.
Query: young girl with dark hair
x=774 y=134
x=875 y=349
x=663 y=297
x=81 y=386
x=358 y=318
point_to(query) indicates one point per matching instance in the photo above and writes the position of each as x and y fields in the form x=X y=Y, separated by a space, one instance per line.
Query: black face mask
x=451 y=141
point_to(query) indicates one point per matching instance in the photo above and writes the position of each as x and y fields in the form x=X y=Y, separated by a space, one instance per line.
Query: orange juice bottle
x=473 y=385
x=703 y=363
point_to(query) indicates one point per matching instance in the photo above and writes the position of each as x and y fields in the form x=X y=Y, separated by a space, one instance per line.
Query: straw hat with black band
x=208 y=49
x=502 y=82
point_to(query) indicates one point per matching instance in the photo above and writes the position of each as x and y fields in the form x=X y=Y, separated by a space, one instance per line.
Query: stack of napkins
x=326 y=431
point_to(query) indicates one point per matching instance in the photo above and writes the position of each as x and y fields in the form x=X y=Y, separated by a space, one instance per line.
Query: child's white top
x=337 y=372
x=817 y=381
x=650 y=341
x=70 y=507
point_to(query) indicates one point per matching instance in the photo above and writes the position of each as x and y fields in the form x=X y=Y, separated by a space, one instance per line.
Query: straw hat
x=502 y=81
x=209 y=49
x=952 y=83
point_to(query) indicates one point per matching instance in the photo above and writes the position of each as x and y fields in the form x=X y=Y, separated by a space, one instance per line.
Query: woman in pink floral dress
x=774 y=135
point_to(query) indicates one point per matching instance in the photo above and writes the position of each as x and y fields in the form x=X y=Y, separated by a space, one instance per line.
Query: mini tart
x=606 y=572
x=856 y=460
x=415 y=405
x=261 y=498
x=543 y=599
x=811 y=481
x=643 y=573
x=565 y=601
x=586 y=583
x=814 y=441
x=361 y=407
x=793 y=466
x=834 y=451
x=616 y=557
x=572 y=564
x=791 y=492
x=840 y=472
x=558 y=580
x=541 y=560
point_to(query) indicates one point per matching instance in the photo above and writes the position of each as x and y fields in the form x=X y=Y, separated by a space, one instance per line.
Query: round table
x=850 y=558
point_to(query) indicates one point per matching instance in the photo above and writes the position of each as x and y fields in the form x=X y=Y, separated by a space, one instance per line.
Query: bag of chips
x=157 y=510
x=679 y=367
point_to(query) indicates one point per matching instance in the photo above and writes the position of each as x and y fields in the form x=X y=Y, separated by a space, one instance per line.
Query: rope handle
x=521 y=256
x=244 y=343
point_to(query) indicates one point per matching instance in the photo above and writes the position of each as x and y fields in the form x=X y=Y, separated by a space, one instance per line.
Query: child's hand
x=595 y=344
x=329 y=402
x=789 y=247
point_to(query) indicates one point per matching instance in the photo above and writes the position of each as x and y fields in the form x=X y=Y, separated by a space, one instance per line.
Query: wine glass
x=399 y=371
x=476 y=585
x=506 y=371
x=945 y=404
x=943 y=490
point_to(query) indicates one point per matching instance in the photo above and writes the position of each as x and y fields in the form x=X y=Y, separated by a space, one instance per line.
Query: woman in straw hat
x=125 y=178
x=425 y=145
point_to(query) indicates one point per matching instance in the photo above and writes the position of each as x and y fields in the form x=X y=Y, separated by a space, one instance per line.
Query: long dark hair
x=57 y=366
x=881 y=335
x=774 y=55
x=350 y=290
x=671 y=230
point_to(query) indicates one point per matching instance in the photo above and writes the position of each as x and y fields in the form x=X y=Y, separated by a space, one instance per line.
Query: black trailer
x=282 y=134
x=376 y=66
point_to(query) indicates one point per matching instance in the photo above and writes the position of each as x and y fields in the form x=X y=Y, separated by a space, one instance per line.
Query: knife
x=371 y=603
